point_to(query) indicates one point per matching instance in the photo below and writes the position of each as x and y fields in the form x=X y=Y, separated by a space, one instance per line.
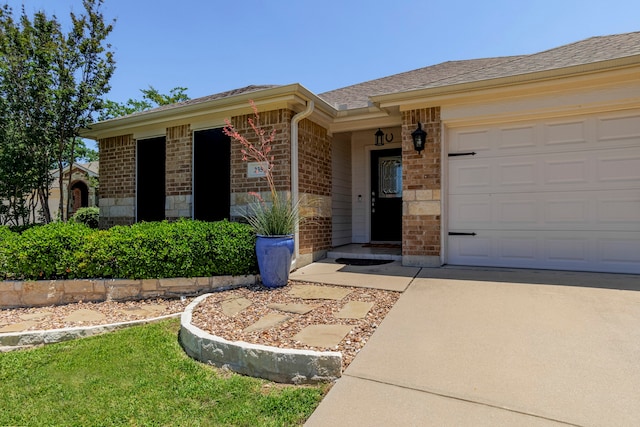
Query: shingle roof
x=587 y=51
x=229 y=93
x=583 y=52
x=357 y=96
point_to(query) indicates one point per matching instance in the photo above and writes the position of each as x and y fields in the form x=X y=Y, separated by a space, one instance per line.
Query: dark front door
x=211 y=175
x=151 y=179
x=386 y=195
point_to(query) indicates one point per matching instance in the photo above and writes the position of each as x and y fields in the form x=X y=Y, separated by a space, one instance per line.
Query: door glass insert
x=390 y=177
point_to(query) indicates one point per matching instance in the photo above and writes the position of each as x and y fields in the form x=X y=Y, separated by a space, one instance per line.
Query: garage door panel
x=472 y=141
x=584 y=251
x=517 y=172
x=620 y=207
x=522 y=137
x=584 y=171
x=587 y=210
x=560 y=194
x=622 y=166
x=623 y=250
x=618 y=128
x=571 y=133
x=567 y=171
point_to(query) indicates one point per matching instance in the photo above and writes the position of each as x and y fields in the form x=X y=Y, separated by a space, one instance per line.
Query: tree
x=52 y=83
x=151 y=98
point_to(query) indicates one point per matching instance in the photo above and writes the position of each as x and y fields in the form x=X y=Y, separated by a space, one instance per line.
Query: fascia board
x=294 y=96
x=364 y=118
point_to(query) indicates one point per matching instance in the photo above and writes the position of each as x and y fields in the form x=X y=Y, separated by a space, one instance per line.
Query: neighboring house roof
x=595 y=49
x=91 y=168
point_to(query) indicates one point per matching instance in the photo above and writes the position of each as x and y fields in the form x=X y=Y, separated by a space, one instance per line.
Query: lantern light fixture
x=381 y=137
x=419 y=137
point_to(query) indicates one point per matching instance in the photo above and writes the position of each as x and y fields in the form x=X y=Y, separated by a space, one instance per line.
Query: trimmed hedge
x=87 y=216
x=185 y=248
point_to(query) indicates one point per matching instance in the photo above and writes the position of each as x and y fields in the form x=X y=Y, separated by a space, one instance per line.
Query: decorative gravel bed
x=208 y=316
x=53 y=317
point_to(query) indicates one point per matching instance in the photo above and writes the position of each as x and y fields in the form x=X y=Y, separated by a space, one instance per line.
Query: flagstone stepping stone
x=267 y=322
x=84 y=315
x=323 y=335
x=318 y=292
x=35 y=316
x=18 y=327
x=145 y=311
x=293 y=308
x=354 y=310
x=233 y=306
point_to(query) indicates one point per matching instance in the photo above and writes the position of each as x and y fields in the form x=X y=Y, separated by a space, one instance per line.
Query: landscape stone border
x=272 y=363
x=25 y=339
x=41 y=293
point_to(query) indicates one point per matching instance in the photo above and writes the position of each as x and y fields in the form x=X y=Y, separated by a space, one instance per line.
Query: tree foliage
x=51 y=84
x=151 y=98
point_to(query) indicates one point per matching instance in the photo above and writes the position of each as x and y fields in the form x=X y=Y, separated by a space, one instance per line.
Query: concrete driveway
x=482 y=347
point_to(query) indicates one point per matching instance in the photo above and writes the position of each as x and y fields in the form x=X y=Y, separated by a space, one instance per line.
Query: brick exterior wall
x=421 y=177
x=117 y=180
x=314 y=154
x=241 y=185
x=118 y=170
x=179 y=172
x=314 y=180
x=280 y=120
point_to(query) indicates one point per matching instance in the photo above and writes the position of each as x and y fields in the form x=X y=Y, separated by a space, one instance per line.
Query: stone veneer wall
x=43 y=293
x=421 y=219
x=117 y=180
x=314 y=166
x=179 y=192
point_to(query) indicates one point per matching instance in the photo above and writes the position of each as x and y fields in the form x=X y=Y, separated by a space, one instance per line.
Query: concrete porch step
x=360 y=251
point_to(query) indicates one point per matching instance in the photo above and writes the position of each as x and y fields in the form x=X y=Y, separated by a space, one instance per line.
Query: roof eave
x=294 y=95
x=431 y=95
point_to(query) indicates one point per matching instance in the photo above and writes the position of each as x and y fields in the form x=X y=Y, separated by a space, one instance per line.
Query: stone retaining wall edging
x=18 y=340
x=271 y=363
x=42 y=293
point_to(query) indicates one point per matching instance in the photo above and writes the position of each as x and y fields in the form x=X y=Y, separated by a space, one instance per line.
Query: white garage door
x=562 y=194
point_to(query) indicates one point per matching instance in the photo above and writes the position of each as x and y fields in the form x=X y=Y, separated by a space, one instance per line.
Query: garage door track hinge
x=470 y=153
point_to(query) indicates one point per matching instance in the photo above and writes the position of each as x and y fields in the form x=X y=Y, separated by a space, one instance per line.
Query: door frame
x=367 y=164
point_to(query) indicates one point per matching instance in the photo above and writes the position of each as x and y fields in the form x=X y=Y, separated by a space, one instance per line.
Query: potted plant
x=275 y=220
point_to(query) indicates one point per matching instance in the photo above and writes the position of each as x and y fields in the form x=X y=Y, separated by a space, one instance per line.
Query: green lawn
x=139 y=376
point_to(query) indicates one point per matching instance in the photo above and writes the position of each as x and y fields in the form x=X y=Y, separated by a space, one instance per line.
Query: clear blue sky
x=210 y=46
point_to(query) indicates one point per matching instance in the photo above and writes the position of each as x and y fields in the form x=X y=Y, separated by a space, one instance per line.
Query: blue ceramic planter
x=274 y=255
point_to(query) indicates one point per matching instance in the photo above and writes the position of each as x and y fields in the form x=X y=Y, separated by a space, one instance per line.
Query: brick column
x=117 y=180
x=179 y=193
x=315 y=179
x=421 y=182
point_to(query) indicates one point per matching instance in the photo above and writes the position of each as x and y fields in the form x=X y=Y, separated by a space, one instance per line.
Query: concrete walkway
x=483 y=347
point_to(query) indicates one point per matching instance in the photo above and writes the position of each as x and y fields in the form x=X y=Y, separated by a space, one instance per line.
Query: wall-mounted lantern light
x=419 y=137
x=381 y=137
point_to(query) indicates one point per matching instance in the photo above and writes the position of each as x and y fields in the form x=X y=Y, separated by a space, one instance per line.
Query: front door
x=386 y=195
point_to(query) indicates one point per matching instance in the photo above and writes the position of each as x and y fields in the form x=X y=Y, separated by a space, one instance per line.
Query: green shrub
x=5 y=237
x=5 y=233
x=184 y=248
x=46 y=252
x=87 y=216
